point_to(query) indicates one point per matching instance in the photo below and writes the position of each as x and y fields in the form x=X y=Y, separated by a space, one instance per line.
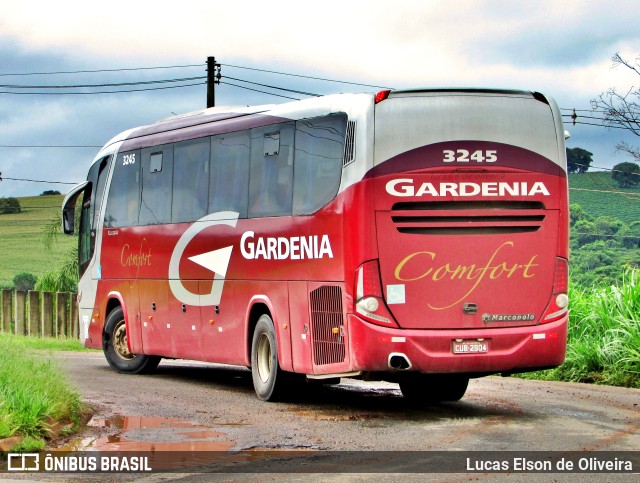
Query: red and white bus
x=419 y=237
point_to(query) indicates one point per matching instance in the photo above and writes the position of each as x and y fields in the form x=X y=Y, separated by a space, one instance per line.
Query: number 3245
x=464 y=156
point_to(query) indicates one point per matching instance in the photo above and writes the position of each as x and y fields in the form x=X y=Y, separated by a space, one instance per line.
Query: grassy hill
x=21 y=239
x=599 y=195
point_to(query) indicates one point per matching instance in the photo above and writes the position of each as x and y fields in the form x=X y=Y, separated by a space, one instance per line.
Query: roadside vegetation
x=604 y=335
x=36 y=402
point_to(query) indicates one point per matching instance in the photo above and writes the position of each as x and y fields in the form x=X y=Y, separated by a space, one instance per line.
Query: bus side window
x=318 y=162
x=190 y=180
x=229 y=174
x=157 y=176
x=124 y=194
x=271 y=178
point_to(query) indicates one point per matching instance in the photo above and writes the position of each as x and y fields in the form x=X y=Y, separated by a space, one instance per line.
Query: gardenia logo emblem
x=405 y=187
x=217 y=261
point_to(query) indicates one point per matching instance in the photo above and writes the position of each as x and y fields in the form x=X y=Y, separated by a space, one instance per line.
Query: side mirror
x=69 y=219
x=69 y=207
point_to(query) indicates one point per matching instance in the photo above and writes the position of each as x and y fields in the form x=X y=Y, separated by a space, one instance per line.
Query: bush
x=9 y=206
x=24 y=281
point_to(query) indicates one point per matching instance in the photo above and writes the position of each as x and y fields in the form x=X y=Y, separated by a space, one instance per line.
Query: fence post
x=74 y=327
x=34 y=313
x=19 y=310
x=6 y=310
x=47 y=314
x=62 y=313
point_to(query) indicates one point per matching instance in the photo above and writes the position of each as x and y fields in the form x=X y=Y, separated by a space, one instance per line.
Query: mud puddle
x=143 y=433
x=167 y=443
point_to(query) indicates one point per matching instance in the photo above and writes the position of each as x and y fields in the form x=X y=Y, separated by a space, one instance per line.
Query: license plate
x=470 y=347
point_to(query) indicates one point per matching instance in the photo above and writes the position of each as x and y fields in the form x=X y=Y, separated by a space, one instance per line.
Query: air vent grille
x=350 y=144
x=468 y=217
x=327 y=325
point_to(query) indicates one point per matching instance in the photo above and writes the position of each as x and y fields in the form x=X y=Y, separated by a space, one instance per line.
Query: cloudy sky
x=562 y=48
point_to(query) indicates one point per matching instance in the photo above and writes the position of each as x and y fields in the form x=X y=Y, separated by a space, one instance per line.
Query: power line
x=102 y=70
x=584 y=117
x=48 y=146
x=592 y=110
x=115 y=84
x=594 y=124
x=262 y=92
x=130 y=69
x=274 y=87
x=38 y=181
x=635 y=237
x=625 y=193
x=605 y=169
x=305 y=76
x=100 y=92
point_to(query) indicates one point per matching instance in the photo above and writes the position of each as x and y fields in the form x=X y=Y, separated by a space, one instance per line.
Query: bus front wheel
x=268 y=378
x=116 y=348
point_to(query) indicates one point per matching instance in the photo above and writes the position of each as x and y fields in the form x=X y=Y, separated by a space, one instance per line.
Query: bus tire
x=433 y=388
x=268 y=379
x=116 y=351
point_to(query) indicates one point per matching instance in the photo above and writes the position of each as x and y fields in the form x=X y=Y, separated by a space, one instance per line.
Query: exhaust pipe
x=398 y=362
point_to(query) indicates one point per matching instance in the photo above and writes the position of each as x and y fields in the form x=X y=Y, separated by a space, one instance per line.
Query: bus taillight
x=382 y=95
x=559 y=298
x=369 y=302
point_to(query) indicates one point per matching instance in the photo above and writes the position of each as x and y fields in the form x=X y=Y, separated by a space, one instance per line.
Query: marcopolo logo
x=405 y=187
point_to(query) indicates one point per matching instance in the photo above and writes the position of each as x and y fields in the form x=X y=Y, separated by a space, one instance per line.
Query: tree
x=24 y=281
x=622 y=109
x=630 y=235
x=626 y=174
x=50 y=193
x=577 y=213
x=9 y=206
x=584 y=232
x=578 y=160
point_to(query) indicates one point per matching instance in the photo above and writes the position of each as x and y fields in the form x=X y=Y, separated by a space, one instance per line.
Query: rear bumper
x=511 y=349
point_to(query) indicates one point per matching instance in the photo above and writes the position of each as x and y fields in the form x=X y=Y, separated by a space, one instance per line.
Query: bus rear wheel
x=269 y=381
x=116 y=348
x=433 y=388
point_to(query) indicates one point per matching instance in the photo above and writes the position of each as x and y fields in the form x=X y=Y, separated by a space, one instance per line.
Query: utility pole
x=213 y=77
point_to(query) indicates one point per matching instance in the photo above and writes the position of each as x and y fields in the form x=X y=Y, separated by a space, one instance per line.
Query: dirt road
x=496 y=413
x=196 y=406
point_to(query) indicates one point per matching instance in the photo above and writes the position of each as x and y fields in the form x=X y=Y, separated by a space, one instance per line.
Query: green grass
x=33 y=395
x=21 y=239
x=604 y=335
x=598 y=194
x=26 y=342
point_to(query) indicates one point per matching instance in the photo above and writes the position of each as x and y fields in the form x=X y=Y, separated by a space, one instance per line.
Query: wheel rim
x=120 y=341
x=264 y=358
